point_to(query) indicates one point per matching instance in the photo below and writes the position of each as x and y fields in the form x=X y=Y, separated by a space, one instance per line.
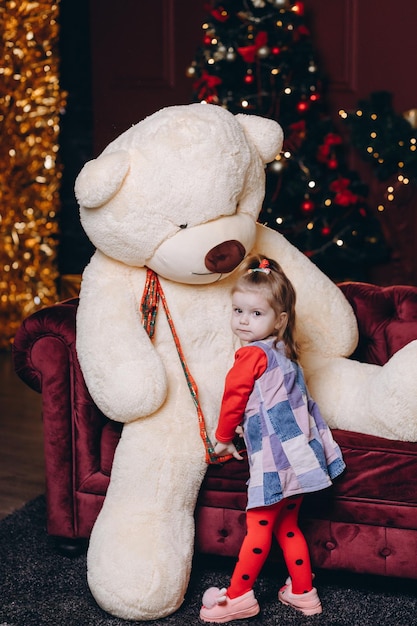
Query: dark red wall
x=140 y=52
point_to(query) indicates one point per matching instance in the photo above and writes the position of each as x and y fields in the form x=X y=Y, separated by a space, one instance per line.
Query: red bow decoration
x=303 y=31
x=325 y=150
x=219 y=13
x=206 y=84
x=332 y=139
x=344 y=196
x=296 y=137
x=249 y=52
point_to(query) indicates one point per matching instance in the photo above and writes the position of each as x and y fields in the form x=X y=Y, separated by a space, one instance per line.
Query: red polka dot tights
x=281 y=520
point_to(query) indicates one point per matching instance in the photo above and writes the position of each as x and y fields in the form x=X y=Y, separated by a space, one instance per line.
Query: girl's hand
x=239 y=431
x=222 y=449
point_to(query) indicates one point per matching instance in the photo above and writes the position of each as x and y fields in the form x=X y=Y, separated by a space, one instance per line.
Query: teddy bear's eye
x=183 y=226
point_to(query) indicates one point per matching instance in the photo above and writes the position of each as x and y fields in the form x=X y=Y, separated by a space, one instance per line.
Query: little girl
x=290 y=448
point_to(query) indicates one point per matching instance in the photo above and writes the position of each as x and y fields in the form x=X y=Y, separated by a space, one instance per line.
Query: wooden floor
x=21 y=440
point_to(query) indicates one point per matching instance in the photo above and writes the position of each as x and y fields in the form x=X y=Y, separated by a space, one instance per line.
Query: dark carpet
x=38 y=587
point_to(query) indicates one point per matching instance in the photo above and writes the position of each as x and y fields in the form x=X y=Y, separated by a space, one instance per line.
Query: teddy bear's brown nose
x=225 y=257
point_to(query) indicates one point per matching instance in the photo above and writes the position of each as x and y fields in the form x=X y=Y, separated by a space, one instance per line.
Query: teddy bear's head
x=180 y=192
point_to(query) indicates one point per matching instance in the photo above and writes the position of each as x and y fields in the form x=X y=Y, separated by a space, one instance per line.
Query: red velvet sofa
x=366 y=522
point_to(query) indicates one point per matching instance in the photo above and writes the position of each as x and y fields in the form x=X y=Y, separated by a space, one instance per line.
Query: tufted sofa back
x=386 y=319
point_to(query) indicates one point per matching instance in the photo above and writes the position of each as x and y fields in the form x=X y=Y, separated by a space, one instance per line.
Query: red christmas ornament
x=307 y=206
x=332 y=164
x=303 y=31
x=325 y=231
x=276 y=50
x=298 y=7
x=249 y=78
x=207 y=40
x=315 y=97
x=303 y=106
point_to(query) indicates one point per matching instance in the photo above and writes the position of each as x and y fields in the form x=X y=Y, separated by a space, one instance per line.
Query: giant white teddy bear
x=180 y=193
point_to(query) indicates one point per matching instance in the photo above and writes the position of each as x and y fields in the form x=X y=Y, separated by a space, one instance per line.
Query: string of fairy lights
x=386 y=140
x=31 y=102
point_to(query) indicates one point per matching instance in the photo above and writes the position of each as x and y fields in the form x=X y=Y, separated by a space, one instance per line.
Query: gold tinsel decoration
x=30 y=105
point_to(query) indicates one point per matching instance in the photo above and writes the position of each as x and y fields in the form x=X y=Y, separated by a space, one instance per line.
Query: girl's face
x=253 y=318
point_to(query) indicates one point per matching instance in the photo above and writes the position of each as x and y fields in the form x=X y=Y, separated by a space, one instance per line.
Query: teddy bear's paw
x=370 y=399
x=393 y=398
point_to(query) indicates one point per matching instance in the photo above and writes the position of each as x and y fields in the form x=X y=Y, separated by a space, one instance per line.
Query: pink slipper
x=308 y=603
x=218 y=608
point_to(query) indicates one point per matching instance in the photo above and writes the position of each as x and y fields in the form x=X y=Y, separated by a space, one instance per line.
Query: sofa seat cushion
x=224 y=485
x=378 y=487
x=377 y=469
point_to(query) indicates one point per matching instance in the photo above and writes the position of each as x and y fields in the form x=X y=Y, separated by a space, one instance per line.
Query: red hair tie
x=263 y=267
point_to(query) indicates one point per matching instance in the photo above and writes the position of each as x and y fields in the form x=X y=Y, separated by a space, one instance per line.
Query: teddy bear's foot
x=139 y=566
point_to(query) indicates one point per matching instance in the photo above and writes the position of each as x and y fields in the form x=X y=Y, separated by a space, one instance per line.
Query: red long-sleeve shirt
x=250 y=363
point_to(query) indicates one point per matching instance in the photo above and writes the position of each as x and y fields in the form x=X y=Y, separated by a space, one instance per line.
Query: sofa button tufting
x=223 y=532
x=385 y=552
x=330 y=545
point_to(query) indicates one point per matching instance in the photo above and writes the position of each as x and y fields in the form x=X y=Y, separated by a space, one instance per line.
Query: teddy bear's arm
x=326 y=323
x=123 y=372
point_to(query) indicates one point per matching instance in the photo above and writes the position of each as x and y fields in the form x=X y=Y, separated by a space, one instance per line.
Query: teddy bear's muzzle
x=225 y=257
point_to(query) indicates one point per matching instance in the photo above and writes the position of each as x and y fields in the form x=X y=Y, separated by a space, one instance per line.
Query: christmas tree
x=383 y=138
x=257 y=57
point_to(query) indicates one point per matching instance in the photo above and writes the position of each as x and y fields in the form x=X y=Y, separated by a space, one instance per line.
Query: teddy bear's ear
x=101 y=178
x=266 y=134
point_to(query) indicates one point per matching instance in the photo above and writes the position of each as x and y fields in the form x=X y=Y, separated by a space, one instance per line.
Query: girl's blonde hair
x=278 y=290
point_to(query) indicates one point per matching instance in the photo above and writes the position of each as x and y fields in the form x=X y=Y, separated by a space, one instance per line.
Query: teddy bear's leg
x=141 y=547
x=369 y=398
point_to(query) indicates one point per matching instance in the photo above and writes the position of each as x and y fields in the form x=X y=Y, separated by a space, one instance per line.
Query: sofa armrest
x=45 y=358
x=34 y=361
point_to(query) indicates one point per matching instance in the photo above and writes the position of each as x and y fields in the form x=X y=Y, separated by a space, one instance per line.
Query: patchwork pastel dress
x=291 y=450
